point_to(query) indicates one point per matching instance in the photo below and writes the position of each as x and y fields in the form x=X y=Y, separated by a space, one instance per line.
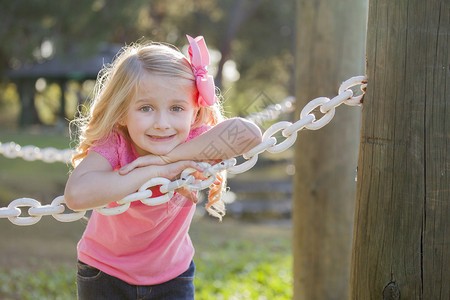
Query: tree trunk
x=330 y=49
x=240 y=13
x=401 y=247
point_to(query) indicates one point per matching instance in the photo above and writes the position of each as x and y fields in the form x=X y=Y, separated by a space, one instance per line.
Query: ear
x=122 y=122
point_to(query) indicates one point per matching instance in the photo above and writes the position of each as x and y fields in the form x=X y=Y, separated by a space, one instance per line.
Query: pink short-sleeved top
x=145 y=245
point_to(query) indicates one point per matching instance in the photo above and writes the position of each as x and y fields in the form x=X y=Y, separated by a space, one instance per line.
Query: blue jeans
x=96 y=285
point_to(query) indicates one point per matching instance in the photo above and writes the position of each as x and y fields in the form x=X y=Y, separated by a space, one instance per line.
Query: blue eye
x=145 y=108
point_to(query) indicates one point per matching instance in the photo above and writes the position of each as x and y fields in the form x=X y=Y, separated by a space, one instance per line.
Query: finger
x=126 y=169
x=140 y=162
x=174 y=169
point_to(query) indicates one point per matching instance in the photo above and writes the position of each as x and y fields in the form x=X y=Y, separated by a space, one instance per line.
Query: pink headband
x=199 y=57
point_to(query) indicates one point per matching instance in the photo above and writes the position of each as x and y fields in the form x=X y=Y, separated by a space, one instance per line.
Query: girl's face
x=160 y=114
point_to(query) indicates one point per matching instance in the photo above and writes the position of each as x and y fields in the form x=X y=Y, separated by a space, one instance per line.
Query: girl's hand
x=144 y=161
x=173 y=170
x=169 y=170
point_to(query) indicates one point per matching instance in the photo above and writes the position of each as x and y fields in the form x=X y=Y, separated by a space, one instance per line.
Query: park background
x=50 y=54
x=392 y=242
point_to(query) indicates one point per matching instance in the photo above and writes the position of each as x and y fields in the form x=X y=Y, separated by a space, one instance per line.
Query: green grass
x=42 y=284
x=235 y=260
x=35 y=179
x=254 y=264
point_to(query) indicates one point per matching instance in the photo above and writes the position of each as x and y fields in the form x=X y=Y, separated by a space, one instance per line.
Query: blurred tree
x=36 y=31
x=26 y=26
x=263 y=50
x=257 y=35
x=240 y=12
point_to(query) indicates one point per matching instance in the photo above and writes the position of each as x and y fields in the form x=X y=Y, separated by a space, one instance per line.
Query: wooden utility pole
x=330 y=49
x=401 y=247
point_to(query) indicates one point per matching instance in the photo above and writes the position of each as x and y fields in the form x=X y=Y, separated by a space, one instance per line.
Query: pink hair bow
x=199 y=56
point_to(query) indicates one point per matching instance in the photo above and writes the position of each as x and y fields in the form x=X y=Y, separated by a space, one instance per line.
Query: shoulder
x=112 y=147
x=110 y=141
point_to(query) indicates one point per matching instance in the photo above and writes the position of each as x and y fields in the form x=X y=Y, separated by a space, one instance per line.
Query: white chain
x=273 y=111
x=269 y=143
x=51 y=155
x=31 y=153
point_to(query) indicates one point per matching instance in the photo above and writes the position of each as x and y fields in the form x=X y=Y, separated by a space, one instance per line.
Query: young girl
x=154 y=114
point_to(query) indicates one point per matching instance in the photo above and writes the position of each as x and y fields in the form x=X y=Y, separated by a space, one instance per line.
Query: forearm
x=230 y=138
x=93 y=183
x=98 y=188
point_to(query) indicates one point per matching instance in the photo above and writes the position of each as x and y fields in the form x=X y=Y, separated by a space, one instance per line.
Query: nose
x=161 y=121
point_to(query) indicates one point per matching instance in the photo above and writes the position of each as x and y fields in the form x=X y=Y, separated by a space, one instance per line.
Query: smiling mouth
x=159 y=138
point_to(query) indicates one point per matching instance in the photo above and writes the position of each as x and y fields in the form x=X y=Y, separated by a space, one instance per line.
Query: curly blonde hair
x=114 y=89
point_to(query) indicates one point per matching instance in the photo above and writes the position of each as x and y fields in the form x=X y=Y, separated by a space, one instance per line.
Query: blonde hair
x=115 y=88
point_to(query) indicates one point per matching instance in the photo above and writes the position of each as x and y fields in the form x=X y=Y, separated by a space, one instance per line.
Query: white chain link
x=269 y=143
x=24 y=220
x=287 y=143
x=273 y=111
x=32 y=153
x=51 y=155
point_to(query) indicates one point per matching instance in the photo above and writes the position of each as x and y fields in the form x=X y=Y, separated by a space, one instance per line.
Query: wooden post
x=401 y=247
x=330 y=49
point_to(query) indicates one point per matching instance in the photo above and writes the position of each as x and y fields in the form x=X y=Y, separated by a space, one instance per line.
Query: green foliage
x=245 y=270
x=239 y=270
x=42 y=284
x=9 y=103
x=48 y=103
x=85 y=23
x=256 y=34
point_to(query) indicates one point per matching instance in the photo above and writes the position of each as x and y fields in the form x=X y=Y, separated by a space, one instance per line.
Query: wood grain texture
x=402 y=223
x=330 y=49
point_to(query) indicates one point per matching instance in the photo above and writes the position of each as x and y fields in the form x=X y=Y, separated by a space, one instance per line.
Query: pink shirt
x=145 y=245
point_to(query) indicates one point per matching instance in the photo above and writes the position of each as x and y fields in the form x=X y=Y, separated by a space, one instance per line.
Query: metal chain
x=269 y=143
